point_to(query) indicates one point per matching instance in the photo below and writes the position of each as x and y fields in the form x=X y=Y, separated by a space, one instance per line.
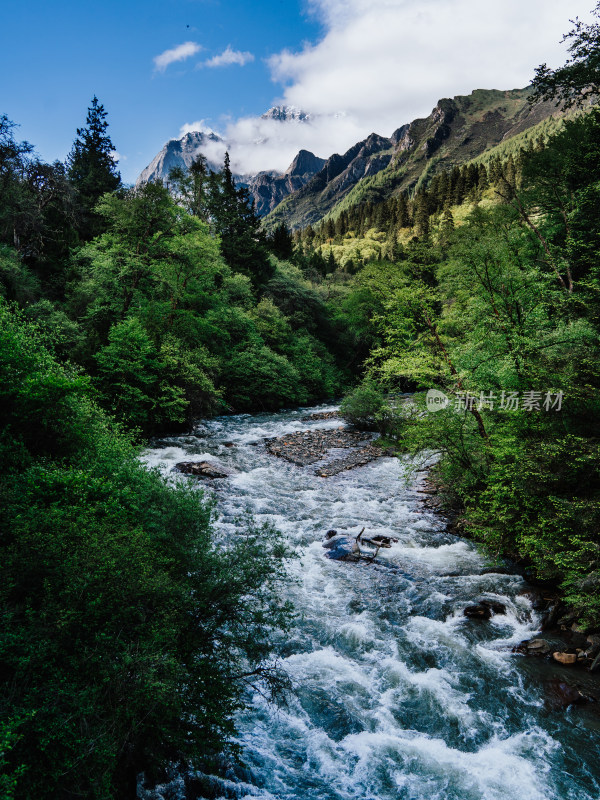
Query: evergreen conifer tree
x=422 y=217
x=92 y=169
x=331 y=263
x=281 y=243
x=233 y=217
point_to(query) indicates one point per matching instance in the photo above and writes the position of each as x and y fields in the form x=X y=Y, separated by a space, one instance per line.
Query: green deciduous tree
x=571 y=84
x=127 y=636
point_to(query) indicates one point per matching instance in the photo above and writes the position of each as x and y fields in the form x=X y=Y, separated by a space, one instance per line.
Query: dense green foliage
x=505 y=305
x=170 y=300
x=581 y=74
x=365 y=407
x=127 y=635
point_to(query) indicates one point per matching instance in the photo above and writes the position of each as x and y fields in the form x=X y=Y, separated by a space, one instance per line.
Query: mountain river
x=396 y=694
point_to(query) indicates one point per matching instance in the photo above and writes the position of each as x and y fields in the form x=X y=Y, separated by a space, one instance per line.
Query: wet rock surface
x=321 y=415
x=345 y=547
x=564 y=643
x=484 y=609
x=341 y=547
x=203 y=469
x=560 y=695
x=357 y=458
x=565 y=658
x=568 y=647
x=309 y=447
x=534 y=647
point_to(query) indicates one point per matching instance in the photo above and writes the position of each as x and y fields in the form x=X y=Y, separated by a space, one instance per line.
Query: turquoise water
x=395 y=693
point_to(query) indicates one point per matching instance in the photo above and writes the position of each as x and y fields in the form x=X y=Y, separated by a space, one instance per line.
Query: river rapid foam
x=395 y=693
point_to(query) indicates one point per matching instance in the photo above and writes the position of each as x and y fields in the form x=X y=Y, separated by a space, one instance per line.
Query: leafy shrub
x=364 y=406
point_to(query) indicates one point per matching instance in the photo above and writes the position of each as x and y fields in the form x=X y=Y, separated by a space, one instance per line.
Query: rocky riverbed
x=310 y=447
x=566 y=656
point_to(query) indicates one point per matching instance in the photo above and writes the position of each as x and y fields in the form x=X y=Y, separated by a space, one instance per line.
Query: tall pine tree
x=233 y=217
x=92 y=169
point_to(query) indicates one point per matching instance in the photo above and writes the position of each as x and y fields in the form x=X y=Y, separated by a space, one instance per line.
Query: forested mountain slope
x=456 y=131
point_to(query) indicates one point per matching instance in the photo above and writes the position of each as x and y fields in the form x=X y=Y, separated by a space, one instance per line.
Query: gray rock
x=484 y=609
x=560 y=695
x=203 y=469
x=537 y=647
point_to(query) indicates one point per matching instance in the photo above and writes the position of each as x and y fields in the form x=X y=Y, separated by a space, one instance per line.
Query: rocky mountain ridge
x=456 y=131
x=267 y=188
x=181 y=152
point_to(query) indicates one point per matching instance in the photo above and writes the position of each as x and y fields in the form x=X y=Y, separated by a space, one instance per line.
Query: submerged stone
x=342 y=548
x=535 y=647
x=560 y=694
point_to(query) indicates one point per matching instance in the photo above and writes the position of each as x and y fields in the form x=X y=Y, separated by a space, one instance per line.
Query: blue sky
x=55 y=55
x=354 y=65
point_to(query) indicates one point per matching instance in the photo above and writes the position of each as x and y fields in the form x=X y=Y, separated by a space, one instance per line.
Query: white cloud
x=179 y=53
x=383 y=63
x=228 y=57
x=191 y=127
x=116 y=156
x=213 y=150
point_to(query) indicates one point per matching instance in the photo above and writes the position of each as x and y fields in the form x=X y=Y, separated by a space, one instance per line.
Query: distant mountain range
x=268 y=188
x=456 y=131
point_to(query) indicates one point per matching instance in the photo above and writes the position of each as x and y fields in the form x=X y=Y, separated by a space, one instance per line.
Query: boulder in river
x=592 y=645
x=553 y=612
x=560 y=694
x=565 y=658
x=484 y=609
x=203 y=469
x=534 y=647
x=318 y=415
x=307 y=447
x=342 y=547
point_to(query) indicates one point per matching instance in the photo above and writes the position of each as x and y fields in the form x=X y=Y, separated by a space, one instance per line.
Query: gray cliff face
x=181 y=153
x=267 y=189
x=456 y=131
x=337 y=176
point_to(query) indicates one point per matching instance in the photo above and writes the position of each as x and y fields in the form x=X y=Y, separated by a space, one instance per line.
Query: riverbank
x=565 y=655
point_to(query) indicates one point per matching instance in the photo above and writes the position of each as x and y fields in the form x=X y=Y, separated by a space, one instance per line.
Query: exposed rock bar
x=308 y=447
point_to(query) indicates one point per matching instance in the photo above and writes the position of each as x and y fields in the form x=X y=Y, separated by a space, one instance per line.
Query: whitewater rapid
x=395 y=693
